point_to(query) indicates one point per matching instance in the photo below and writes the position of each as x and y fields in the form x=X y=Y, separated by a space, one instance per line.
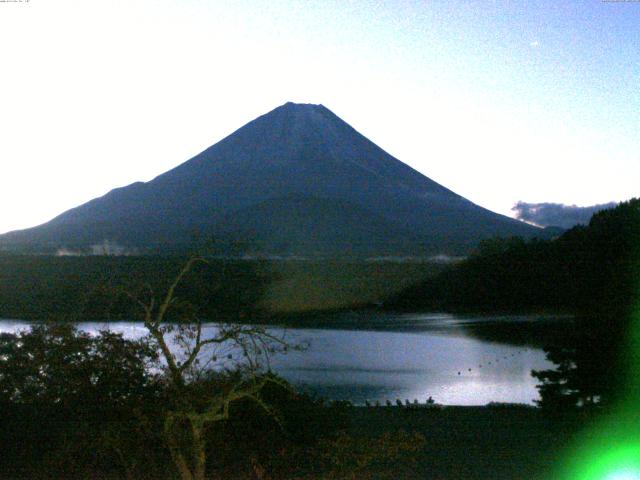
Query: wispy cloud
x=557 y=214
x=534 y=44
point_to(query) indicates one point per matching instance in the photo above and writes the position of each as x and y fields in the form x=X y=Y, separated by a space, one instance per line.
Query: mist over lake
x=384 y=356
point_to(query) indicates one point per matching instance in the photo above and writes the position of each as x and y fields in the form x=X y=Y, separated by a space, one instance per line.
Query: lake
x=374 y=356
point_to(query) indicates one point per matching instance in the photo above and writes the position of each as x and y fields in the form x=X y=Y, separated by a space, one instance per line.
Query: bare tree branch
x=169 y=297
x=188 y=413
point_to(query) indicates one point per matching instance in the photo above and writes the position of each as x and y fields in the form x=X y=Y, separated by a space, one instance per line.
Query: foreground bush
x=72 y=403
x=80 y=406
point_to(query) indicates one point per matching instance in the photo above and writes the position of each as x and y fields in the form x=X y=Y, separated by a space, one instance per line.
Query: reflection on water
x=375 y=357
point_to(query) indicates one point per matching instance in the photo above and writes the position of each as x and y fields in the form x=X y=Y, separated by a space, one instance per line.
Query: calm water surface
x=379 y=356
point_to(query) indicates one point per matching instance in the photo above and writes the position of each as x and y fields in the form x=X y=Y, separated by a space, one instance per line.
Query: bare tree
x=231 y=362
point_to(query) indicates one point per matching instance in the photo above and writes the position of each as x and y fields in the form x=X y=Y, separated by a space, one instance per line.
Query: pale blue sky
x=498 y=100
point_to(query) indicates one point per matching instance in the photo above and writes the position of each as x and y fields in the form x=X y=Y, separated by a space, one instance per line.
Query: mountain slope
x=296 y=158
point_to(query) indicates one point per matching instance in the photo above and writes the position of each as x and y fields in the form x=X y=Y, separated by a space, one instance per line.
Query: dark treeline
x=84 y=288
x=99 y=287
x=585 y=270
x=591 y=271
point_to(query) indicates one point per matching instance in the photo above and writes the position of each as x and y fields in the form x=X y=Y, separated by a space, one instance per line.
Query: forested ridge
x=587 y=269
x=590 y=271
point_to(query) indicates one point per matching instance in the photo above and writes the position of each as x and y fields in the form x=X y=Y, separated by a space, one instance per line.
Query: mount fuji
x=295 y=181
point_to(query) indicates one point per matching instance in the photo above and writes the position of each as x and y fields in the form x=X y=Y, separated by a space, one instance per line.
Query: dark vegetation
x=79 y=406
x=586 y=270
x=75 y=406
x=93 y=287
x=492 y=442
x=591 y=271
x=68 y=412
x=70 y=403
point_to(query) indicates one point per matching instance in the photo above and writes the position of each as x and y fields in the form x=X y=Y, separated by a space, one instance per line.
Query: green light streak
x=610 y=449
x=614 y=462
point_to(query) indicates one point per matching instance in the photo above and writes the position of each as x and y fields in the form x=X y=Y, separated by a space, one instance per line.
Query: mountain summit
x=295 y=181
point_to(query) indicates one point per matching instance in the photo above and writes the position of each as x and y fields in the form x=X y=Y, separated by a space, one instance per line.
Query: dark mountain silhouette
x=297 y=180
